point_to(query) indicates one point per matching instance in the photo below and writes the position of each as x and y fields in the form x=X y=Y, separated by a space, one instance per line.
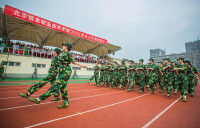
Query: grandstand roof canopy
x=15 y=28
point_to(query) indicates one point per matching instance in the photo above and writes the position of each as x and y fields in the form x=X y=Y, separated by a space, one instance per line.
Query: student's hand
x=84 y=66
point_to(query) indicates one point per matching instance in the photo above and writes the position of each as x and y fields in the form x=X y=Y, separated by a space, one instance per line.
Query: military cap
x=68 y=45
x=115 y=62
x=142 y=60
x=131 y=61
x=167 y=59
x=123 y=62
x=181 y=59
x=160 y=62
x=57 y=50
x=151 y=59
x=187 y=61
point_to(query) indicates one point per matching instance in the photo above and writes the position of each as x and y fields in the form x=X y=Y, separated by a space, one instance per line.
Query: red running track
x=99 y=107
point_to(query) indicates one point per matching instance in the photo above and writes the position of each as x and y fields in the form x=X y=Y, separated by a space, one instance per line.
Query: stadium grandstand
x=18 y=27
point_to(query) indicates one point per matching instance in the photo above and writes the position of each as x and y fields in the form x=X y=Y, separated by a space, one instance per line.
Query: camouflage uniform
x=51 y=77
x=61 y=82
x=101 y=79
x=115 y=76
x=131 y=77
x=175 y=80
x=110 y=77
x=146 y=76
x=106 y=75
x=161 y=79
x=152 y=76
x=168 y=76
x=118 y=75
x=123 y=75
x=183 y=79
x=192 y=80
x=1 y=71
x=96 y=74
x=141 y=76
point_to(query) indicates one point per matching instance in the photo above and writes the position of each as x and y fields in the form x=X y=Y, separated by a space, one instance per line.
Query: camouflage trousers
x=49 y=78
x=184 y=81
x=161 y=82
x=141 y=81
x=110 y=78
x=1 y=76
x=101 y=77
x=168 y=82
x=96 y=77
x=146 y=80
x=106 y=78
x=175 y=82
x=123 y=80
x=191 y=85
x=60 y=84
x=131 y=78
x=152 y=82
x=114 y=80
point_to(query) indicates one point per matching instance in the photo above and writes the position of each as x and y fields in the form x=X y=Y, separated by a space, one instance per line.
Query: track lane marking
x=44 y=87
x=160 y=114
x=58 y=101
x=106 y=106
x=47 y=89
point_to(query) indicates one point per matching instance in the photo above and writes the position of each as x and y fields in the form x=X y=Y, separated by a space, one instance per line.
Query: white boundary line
x=18 y=91
x=47 y=89
x=160 y=114
x=58 y=101
x=86 y=111
x=44 y=87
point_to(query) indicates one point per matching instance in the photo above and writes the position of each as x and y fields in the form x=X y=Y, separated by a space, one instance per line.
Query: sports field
x=96 y=107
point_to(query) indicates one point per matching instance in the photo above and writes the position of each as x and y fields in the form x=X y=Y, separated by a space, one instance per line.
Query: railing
x=25 y=52
x=29 y=52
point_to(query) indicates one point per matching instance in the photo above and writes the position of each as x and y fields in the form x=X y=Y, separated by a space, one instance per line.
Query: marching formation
x=181 y=76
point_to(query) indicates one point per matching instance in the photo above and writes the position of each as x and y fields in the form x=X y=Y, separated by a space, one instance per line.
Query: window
x=9 y=63
x=43 y=65
x=76 y=68
x=39 y=65
x=89 y=69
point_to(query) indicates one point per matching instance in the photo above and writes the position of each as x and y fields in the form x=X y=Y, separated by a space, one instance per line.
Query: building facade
x=192 y=47
x=156 y=52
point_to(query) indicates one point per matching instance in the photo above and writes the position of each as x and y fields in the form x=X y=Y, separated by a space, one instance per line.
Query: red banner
x=49 y=24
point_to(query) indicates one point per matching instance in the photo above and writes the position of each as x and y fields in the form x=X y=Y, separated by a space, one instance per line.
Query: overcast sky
x=135 y=25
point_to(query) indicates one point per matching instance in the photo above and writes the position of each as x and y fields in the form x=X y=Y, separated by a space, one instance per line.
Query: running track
x=99 y=107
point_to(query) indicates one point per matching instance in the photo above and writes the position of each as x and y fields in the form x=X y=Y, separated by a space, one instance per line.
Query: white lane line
x=18 y=91
x=47 y=89
x=46 y=122
x=58 y=101
x=160 y=114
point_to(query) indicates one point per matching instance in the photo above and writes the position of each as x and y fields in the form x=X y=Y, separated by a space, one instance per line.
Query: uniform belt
x=65 y=64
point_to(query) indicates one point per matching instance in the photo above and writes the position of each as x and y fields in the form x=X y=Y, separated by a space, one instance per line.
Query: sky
x=135 y=25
